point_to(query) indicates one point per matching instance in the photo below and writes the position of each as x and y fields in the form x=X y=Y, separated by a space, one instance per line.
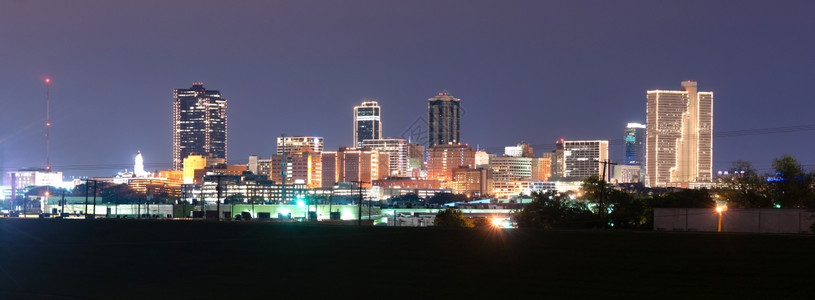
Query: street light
x=720 y=210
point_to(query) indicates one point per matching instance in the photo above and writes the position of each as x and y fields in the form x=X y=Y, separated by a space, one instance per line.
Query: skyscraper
x=367 y=122
x=635 y=144
x=582 y=159
x=679 y=146
x=199 y=123
x=443 y=118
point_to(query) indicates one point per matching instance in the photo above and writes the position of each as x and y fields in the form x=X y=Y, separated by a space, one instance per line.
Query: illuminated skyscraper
x=443 y=118
x=199 y=123
x=367 y=122
x=635 y=144
x=679 y=146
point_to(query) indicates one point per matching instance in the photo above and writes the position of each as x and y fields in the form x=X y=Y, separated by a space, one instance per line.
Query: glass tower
x=367 y=122
x=443 y=120
x=199 y=123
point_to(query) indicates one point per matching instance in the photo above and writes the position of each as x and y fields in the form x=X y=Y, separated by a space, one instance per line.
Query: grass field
x=133 y=259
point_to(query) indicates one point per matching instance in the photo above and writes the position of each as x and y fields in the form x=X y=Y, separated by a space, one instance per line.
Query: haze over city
x=529 y=71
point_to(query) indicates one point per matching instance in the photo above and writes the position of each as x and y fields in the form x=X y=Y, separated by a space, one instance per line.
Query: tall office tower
x=442 y=159
x=299 y=144
x=397 y=151
x=367 y=122
x=557 y=160
x=443 y=120
x=635 y=144
x=679 y=133
x=199 y=123
x=582 y=159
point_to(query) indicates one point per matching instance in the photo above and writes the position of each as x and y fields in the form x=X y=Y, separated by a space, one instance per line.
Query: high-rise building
x=443 y=120
x=509 y=168
x=397 y=151
x=199 y=123
x=582 y=159
x=301 y=168
x=635 y=144
x=679 y=136
x=557 y=160
x=299 y=144
x=353 y=165
x=367 y=122
x=442 y=159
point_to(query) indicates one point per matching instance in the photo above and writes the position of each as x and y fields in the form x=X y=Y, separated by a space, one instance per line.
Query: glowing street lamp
x=720 y=210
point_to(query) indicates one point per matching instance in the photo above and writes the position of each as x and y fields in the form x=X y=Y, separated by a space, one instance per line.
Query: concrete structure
x=416 y=161
x=509 y=168
x=627 y=174
x=353 y=165
x=443 y=120
x=520 y=150
x=442 y=159
x=397 y=151
x=367 y=122
x=197 y=166
x=769 y=220
x=199 y=123
x=557 y=156
x=33 y=177
x=679 y=146
x=301 y=168
x=472 y=182
x=542 y=167
x=259 y=166
x=582 y=159
x=299 y=144
x=508 y=189
x=482 y=159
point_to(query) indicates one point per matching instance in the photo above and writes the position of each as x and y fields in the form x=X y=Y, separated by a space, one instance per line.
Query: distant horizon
x=527 y=71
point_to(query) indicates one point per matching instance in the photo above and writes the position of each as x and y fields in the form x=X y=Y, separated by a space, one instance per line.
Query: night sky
x=532 y=71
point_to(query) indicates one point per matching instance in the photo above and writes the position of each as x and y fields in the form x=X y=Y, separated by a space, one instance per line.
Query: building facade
x=300 y=168
x=199 y=123
x=367 y=122
x=299 y=144
x=582 y=159
x=353 y=166
x=397 y=151
x=442 y=159
x=509 y=168
x=679 y=133
x=443 y=120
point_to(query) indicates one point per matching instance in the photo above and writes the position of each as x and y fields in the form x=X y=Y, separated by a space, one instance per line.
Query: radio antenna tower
x=48 y=124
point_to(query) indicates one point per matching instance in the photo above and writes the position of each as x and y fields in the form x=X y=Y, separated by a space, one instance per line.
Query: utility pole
x=359 y=206
x=93 y=216
x=606 y=164
x=283 y=169
x=218 y=199
x=86 y=198
x=62 y=214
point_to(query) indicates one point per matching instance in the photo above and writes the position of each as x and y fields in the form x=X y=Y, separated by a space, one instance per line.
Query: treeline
x=601 y=206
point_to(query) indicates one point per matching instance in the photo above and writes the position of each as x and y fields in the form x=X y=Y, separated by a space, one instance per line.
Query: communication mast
x=48 y=124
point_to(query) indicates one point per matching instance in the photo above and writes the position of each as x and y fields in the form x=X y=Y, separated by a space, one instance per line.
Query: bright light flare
x=497 y=222
x=47 y=80
x=720 y=209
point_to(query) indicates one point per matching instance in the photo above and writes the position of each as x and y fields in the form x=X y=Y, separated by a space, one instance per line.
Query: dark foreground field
x=106 y=259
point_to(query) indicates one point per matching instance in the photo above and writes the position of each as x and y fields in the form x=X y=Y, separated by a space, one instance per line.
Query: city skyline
x=520 y=80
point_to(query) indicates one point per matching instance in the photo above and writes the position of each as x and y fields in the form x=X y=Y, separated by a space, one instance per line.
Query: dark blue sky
x=525 y=70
